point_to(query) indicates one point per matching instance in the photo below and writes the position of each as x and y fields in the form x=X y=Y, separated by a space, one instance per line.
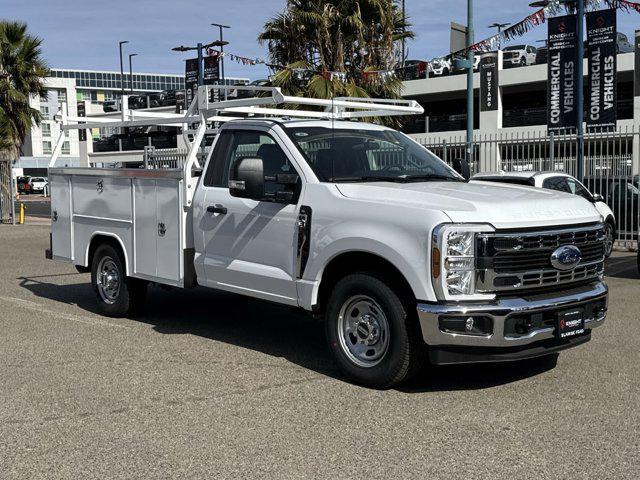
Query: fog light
x=479 y=326
x=469 y=324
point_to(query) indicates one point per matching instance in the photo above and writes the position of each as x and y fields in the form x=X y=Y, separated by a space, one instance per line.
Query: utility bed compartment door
x=158 y=245
x=61 y=232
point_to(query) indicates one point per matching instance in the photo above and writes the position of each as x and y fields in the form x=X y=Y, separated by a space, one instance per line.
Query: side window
x=249 y=144
x=214 y=170
x=577 y=188
x=557 y=183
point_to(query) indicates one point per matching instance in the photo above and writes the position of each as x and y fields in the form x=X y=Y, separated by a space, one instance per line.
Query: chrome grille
x=512 y=261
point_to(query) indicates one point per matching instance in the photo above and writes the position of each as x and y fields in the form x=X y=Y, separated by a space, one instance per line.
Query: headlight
x=453 y=256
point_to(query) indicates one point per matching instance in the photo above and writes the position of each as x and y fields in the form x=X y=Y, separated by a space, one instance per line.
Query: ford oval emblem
x=566 y=258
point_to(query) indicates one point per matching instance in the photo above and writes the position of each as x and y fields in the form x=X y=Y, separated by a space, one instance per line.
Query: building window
x=62 y=96
x=46 y=147
x=44 y=110
x=66 y=148
x=46 y=129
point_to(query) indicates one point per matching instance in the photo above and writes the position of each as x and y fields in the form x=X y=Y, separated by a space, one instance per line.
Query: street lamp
x=131 y=55
x=499 y=26
x=121 y=68
x=578 y=5
x=222 y=44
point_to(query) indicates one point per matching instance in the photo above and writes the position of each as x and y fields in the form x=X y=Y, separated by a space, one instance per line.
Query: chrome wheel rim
x=108 y=280
x=363 y=331
x=609 y=240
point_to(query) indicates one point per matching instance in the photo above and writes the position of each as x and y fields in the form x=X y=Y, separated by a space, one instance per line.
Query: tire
x=445 y=72
x=394 y=351
x=609 y=232
x=523 y=62
x=123 y=295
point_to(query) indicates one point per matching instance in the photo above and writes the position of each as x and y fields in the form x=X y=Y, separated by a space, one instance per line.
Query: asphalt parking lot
x=211 y=385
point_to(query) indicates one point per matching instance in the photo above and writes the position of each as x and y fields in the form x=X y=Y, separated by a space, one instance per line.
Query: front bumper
x=536 y=310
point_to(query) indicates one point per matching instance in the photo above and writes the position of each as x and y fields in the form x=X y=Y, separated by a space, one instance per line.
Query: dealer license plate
x=570 y=323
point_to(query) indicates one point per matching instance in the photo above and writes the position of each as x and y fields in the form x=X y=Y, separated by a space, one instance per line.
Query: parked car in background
x=519 y=56
x=561 y=182
x=38 y=184
x=22 y=184
x=256 y=83
x=542 y=55
x=440 y=67
x=623 y=45
x=623 y=196
x=413 y=70
x=169 y=97
x=111 y=105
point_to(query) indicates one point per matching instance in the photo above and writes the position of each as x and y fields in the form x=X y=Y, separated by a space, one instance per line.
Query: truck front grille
x=508 y=261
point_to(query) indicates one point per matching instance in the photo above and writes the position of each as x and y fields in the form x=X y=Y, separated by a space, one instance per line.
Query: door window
x=249 y=144
x=557 y=183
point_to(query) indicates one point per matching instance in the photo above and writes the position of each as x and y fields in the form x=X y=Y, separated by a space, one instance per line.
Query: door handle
x=217 y=209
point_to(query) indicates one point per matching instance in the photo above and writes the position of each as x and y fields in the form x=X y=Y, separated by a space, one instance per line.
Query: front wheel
x=117 y=294
x=609 y=239
x=372 y=333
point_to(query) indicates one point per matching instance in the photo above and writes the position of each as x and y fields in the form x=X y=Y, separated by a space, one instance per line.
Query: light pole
x=131 y=55
x=578 y=5
x=499 y=26
x=470 y=113
x=121 y=68
x=222 y=44
x=404 y=32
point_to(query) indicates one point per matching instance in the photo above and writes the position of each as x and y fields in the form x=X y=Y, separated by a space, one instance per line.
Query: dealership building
x=521 y=103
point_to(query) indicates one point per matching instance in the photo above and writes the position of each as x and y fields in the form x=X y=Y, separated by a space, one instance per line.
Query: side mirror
x=597 y=198
x=247 y=179
x=462 y=167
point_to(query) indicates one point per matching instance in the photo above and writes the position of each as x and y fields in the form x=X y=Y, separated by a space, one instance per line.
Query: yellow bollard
x=22 y=214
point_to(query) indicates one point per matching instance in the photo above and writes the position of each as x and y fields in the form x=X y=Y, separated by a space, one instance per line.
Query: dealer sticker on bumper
x=570 y=324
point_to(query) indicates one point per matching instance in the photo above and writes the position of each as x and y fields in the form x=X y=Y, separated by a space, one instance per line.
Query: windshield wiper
x=394 y=179
x=432 y=176
x=368 y=178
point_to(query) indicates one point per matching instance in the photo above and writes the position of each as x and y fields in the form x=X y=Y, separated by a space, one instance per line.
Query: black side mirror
x=247 y=179
x=462 y=167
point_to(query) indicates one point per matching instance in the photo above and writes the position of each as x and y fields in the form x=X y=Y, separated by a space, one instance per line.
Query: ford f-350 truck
x=404 y=259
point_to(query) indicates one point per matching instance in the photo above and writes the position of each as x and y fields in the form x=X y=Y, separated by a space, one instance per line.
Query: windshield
x=345 y=155
x=515 y=47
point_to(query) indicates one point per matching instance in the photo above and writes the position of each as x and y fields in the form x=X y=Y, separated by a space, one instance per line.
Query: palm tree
x=326 y=48
x=22 y=73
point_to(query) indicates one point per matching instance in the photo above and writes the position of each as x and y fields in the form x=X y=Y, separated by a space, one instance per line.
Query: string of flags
x=366 y=75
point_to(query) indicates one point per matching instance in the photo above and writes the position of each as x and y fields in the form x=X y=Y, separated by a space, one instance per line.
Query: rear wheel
x=117 y=294
x=373 y=333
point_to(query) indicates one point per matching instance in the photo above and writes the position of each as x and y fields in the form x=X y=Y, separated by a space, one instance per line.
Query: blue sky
x=84 y=34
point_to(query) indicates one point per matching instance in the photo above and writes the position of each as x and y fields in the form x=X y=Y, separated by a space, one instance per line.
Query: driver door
x=249 y=244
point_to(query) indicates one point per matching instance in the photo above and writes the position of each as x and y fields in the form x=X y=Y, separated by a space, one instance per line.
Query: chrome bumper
x=501 y=310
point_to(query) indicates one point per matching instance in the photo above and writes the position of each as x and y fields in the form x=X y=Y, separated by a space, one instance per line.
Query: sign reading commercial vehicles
x=489 y=82
x=562 y=83
x=601 y=48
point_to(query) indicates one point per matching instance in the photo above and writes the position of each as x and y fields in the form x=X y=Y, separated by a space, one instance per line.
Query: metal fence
x=6 y=192
x=611 y=165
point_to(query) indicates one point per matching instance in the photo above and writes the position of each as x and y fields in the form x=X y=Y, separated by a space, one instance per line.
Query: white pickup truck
x=404 y=258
